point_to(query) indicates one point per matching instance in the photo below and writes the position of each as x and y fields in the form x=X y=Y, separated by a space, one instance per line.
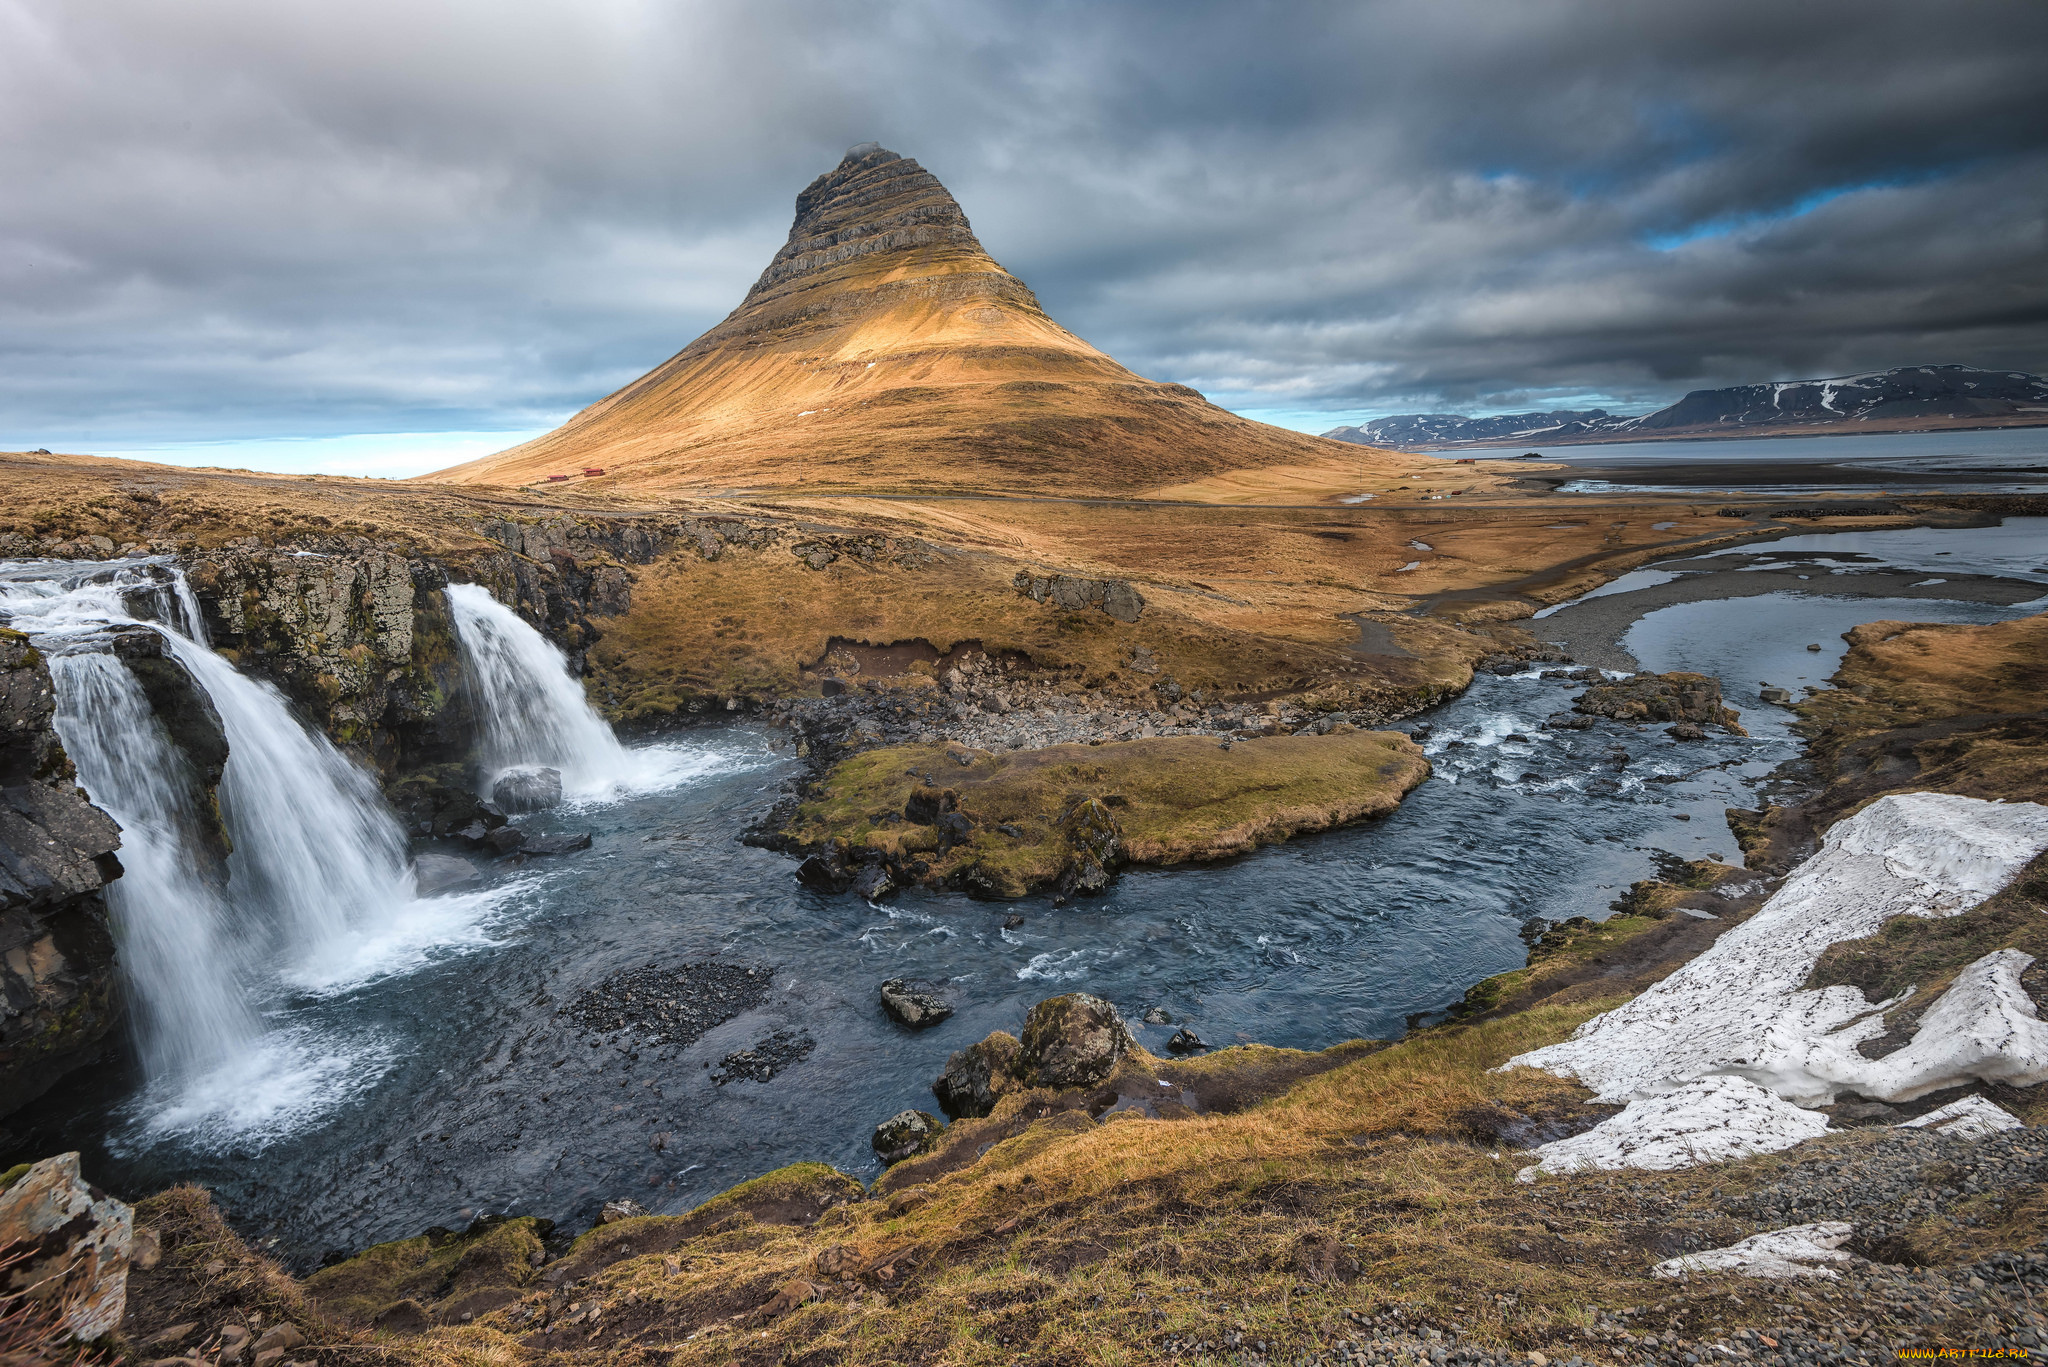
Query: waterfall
x=185 y=972
x=318 y=892
x=314 y=843
x=531 y=710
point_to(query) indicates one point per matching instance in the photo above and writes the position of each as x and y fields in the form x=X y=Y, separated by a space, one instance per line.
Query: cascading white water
x=318 y=893
x=187 y=975
x=314 y=843
x=529 y=708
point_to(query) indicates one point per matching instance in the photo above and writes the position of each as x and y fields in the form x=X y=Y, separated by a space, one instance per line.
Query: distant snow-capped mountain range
x=1882 y=400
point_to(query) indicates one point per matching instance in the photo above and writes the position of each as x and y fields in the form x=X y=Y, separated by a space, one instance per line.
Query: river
x=476 y=1092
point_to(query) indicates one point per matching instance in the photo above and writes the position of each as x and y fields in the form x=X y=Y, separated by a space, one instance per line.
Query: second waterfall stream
x=532 y=712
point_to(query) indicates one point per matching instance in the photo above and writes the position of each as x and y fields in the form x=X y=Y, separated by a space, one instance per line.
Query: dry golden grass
x=1176 y=799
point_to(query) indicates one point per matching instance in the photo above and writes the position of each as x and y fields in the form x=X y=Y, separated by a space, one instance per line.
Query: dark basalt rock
x=1675 y=697
x=503 y=840
x=1185 y=1041
x=917 y=1005
x=765 y=1059
x=438 y=801
x=905 y=1135
x=874 y=882
x=826 y=872
x=528 y=788
x=566 y=843
x=977 y=1075
x=671 y=1005
x=57 y=1003
x=1071 y=1041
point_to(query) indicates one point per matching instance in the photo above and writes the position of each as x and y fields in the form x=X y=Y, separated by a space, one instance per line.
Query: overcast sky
x=293 y=225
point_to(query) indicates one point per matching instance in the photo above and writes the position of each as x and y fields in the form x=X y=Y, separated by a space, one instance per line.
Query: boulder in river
x=914 y=1004
x=434 y=874
x=977 y=1075
x=527 y=788
x=569 y=842
x=905 y=1135
x=1674 y=697
x=1071 y=1041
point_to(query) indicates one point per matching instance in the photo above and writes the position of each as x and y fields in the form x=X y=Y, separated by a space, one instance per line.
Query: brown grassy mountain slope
x=884 y=350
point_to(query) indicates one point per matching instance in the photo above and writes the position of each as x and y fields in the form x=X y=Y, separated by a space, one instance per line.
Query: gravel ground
x=765 y=1059
x=1987 y=1309
x=670 y=1005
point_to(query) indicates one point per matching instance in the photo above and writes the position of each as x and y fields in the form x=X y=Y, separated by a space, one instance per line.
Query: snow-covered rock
x=1712 y=1120
x=1739 y=1008
x=1781 y=1253
x=1971 y=1118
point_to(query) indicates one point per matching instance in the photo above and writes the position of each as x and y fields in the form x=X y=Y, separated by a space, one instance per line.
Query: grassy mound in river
x=1003 y=824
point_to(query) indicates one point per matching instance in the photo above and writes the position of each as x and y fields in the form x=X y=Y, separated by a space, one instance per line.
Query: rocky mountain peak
x=873 y=202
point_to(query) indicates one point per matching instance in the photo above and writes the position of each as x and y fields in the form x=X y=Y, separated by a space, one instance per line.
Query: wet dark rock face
x=195 y=732
x=357 y=637
x=438 y=801
x=671 y=1005
x=57 y=1004
x=529 y=788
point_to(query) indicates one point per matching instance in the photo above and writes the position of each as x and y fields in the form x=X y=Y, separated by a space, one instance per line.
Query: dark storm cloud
x=242 y=218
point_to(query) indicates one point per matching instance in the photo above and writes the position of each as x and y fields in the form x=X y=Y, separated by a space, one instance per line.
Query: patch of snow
x=1411 y=565
x=1713 y=1120
x=1421 y=546
x=1926 y=582
x=1740 y=1007
x=1780 y=1253
x=1971 y=1118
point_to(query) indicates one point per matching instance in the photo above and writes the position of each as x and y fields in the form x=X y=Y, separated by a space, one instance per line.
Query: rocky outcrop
x=528 y=788
x=1693 y=699
x=1116 y=597
x=56 y=858
x=194 y=729
x=905 y=1135
x=358 y=638
x=1072 y=1041
x=78 y=1243
x=978 y=1075
x=1067 y=817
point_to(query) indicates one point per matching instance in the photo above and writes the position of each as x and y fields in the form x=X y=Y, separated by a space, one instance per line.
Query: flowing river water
x=442 y=1072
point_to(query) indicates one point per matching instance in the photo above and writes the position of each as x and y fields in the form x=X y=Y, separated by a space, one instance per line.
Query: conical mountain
x=884 y=350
